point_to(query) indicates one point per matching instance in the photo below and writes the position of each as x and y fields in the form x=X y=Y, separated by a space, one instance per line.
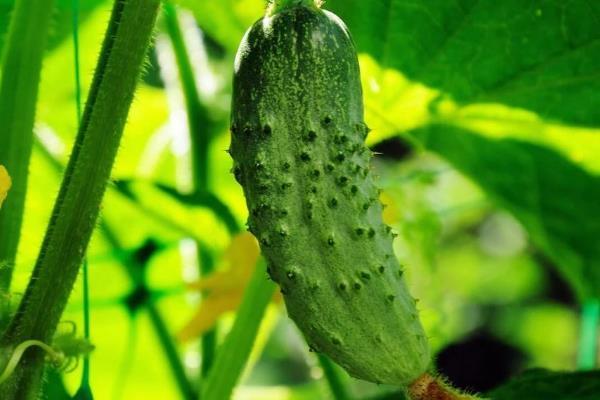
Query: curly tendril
x=56 y=358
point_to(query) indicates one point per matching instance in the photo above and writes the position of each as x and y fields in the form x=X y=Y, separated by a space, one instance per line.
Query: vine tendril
x=56 y=357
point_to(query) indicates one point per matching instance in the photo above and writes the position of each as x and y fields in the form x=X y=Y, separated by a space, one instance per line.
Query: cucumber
x=297 y=141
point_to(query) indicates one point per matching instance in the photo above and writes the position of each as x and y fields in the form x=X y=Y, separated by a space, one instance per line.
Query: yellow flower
x=5 y=183
x=224 y=289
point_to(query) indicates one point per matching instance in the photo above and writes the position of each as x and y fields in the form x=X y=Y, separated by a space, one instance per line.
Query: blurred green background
x=486 y=119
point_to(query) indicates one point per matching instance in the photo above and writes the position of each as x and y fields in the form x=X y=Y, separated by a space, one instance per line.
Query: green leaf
x=465 y=73
x=542 y=56
x=554 y=199
x=540 y=384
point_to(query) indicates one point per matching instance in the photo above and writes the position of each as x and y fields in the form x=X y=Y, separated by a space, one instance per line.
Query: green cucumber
x=298 y=146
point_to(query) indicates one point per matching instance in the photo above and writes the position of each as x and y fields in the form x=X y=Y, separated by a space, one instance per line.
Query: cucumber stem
x=427 y=387
x=277 y=5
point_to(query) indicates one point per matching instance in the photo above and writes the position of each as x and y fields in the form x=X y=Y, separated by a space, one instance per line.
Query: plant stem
x=84 y=390
x=235 y=350
x=588 y=338
x=19 y=79
x=200 y=131
x=76 y=209
x=170 y=350
x=134 y=271
x=338 y=390
x=428 y=387
x=136 y=277
x=278 y=5
x=198 y=120
x=209 y=339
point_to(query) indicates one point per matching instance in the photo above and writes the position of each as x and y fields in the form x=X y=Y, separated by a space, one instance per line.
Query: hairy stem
x=428 y=387
x=134 y=270
x=76 y=209
x=19 y=79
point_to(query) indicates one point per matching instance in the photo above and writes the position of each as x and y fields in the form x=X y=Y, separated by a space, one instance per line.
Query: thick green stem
x=19 y=79
x=135 y=272
x=78 y=203
x=235 y=350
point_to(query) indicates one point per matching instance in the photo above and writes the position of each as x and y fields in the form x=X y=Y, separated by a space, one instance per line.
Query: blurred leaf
x=554 y=199
x=540 y=384
x=391 y=396
x=5 y=183
x=309 y=391
x=543 y=56
x=521 y=327
x=223 y=289
x=482 y=278
x=171 y=213
x=226 y=20
x=205 y=199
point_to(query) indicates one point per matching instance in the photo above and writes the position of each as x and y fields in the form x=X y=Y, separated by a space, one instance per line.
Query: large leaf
x=539 y=55
x=463 y=72
x=539 y=384
x=554 y=199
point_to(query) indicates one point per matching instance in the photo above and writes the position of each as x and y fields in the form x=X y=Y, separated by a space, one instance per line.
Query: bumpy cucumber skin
x=298 y=148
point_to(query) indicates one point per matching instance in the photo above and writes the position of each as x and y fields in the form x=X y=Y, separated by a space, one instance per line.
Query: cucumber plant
x=298 y=146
